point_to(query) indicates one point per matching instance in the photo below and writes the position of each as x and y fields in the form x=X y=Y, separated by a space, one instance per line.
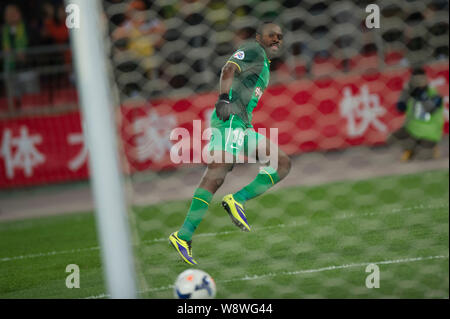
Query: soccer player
x=242 y=81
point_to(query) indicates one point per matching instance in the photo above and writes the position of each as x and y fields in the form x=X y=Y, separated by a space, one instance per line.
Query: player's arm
x=226 y=77
x=434 y=103
x=223 y=105
x=404 y=96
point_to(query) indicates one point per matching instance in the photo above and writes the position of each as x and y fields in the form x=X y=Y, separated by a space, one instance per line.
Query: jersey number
x=238 y=137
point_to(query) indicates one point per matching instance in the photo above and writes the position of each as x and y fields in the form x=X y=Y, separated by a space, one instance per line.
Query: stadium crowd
x=34 y=40
x=31 y=24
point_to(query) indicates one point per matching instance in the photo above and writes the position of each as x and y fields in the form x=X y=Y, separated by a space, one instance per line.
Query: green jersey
x=251 y=81
x=424 y=125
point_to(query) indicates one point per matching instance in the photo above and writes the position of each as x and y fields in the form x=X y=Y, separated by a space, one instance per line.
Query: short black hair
x=262 y=25
x=418 y=71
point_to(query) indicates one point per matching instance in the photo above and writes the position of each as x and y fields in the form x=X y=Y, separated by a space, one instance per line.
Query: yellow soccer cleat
x=236 y=212
x=183 y=248
x=436 y=152
x=406 y=155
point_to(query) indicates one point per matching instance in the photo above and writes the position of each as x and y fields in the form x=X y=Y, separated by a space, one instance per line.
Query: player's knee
x=219 y=181
x=211 y=184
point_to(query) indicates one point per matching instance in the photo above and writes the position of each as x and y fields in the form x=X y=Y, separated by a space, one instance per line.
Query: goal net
x=363 y=212
x=349 y=200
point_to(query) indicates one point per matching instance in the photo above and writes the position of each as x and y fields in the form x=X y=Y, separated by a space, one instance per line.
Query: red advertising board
x=328 y=113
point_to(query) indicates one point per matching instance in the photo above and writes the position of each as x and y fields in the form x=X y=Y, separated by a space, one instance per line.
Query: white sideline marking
x=339 y=216
x=296 y=272
x=50 y=253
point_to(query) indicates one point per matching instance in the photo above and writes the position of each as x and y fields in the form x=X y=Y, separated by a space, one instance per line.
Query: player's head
x=136 y=12
x=270 y=36
x=418 y=78
x=12 y=14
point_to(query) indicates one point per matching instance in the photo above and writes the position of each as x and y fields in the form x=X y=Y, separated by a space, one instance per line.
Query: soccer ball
x=194 y=284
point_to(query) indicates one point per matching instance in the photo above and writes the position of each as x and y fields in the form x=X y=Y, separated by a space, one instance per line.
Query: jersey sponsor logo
x=239 y=55
x=258 y=92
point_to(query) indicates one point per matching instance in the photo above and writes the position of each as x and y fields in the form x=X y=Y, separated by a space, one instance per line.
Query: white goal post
x=88 y=47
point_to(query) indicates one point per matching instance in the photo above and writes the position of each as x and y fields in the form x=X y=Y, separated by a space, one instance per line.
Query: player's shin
x=199 y=206
x=266 y=178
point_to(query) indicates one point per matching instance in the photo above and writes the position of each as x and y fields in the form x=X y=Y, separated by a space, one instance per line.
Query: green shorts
x=234 y=137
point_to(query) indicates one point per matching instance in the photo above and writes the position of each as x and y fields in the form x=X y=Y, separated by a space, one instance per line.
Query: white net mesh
x=316 y=232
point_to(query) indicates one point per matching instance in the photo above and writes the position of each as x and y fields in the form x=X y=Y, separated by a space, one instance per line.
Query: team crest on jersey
x=239 y=55
x=258 y=92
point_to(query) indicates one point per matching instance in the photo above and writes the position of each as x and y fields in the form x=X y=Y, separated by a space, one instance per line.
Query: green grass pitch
x=306 y=242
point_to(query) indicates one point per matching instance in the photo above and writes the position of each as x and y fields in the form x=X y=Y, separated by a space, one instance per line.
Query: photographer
x=424 y=120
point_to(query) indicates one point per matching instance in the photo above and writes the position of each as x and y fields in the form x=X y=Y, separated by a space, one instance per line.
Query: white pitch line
x=50 y=253
x=162 y=239
x=345 y=266
x=297 y=272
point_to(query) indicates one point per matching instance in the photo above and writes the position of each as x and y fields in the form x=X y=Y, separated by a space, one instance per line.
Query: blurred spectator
x=14 y=44
x=55 y=30
x=54 y=24
x=140 y=33
x=198 y=52
x=14 y=38
x=424 y=121
x=136 y=40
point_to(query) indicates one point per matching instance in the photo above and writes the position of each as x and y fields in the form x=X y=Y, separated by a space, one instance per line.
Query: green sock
x=266 y=178
x=199 y=206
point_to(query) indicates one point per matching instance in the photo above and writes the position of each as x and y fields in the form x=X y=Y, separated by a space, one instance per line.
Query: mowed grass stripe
x=340 y=215
x=293 y=273
x=295 y=229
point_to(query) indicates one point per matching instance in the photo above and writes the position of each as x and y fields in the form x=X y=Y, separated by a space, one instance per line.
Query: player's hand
x=419 y=93
x=224 y=107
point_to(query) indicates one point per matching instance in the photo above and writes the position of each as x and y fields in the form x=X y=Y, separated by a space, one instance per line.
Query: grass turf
x=306 y=242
